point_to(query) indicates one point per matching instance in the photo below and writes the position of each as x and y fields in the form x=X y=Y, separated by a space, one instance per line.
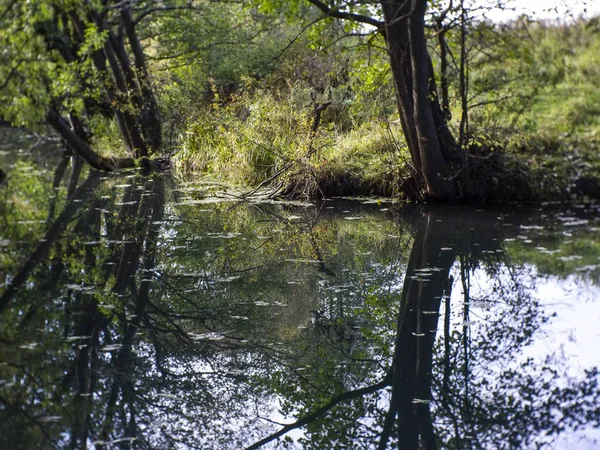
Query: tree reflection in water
x=140 y=321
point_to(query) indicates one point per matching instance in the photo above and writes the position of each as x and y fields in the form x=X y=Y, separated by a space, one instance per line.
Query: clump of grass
x=260 y=135
x=247 y=140
x=368 y=160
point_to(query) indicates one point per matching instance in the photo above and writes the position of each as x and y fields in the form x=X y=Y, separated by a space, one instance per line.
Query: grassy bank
x=534 y=122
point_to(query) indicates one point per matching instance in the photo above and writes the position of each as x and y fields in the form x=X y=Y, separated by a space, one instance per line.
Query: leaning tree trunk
x=429 y=140
x=80 y=147
x=126 y=90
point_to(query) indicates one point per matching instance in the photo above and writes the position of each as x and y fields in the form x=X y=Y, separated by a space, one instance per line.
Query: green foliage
x=533 y=108
x=529 y=84
x=535 y=78
x=258 y=124
x=237 y=84
x=576 y=256
x=22 y=49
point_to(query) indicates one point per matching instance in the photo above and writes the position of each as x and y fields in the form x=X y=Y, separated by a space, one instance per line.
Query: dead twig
x=310 y=151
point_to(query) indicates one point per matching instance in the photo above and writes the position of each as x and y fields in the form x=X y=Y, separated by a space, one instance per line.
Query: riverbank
x=532 y=134
x=270 y=145
x=372 y=161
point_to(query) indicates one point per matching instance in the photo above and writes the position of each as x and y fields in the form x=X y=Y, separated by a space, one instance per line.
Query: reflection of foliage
x=559 y=242
x=23 y=211
x=181 y=345
x=260 y=313
x=482 y=395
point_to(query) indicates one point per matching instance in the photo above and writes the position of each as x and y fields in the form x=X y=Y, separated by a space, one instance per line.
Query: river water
x=149 y=313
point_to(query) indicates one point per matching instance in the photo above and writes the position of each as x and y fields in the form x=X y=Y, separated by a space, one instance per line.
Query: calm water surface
x=144 y=313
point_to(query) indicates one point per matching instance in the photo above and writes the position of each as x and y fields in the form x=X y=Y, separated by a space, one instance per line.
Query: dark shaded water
x=142 y=313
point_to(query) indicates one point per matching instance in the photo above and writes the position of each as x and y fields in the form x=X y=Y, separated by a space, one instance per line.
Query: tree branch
x=10 y=75
x=147 y=12
x=346 y=15
x=80 y=147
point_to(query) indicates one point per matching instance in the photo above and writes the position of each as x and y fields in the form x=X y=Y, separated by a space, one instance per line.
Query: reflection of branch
x=37 y=422
x=447 y=309
x=51 y=236
x=75 y=174
x=212 y=276
x=447 y=403
x=286 y=365
x=346 y=396
x=317 y=251
x=176 y=330
x=58 y=176
x=465 y=277
x=122 y=381
x=186 y=444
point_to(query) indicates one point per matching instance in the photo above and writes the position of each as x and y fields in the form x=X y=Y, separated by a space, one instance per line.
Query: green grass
x=255 y=136
x=534 y=136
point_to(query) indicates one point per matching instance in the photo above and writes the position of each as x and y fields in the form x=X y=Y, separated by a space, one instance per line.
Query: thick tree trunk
x=132 y=130
x=432 y=146
x=141 y=128
x=448 y=145
x=433 y=164
x=124 y=97
x=396 y=19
